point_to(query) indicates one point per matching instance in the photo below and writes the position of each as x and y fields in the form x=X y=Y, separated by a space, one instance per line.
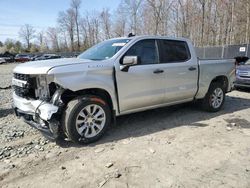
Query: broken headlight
x=42 y=91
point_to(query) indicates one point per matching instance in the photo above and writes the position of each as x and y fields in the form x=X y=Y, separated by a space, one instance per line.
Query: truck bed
x=211 y=68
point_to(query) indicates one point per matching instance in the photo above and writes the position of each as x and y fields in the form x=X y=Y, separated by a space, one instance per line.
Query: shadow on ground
x=151 y=121
x=5 y=112
x=247 y=90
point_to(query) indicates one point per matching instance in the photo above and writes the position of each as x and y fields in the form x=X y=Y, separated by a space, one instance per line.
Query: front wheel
x=214 y=98
x=86 y=119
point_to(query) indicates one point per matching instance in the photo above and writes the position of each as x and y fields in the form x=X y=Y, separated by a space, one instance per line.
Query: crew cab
x=79 y=98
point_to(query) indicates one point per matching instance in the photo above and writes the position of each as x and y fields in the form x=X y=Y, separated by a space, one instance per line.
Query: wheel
x=86 y=119
x=214 y=98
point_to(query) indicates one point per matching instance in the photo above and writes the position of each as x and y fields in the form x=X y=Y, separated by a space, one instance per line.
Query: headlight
x=42 y=81
x=57 y=96
x=42 y=91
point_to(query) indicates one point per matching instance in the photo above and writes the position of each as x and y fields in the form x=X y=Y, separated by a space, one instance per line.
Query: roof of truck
x=153 y=37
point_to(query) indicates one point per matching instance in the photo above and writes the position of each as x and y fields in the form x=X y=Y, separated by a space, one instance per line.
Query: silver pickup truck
x=79 y=98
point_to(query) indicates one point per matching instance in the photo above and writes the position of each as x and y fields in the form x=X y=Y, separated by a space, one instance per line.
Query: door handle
x=158 y=71
x=191 y=68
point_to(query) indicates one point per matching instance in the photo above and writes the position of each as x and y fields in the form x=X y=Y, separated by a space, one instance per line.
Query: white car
x=2 y=60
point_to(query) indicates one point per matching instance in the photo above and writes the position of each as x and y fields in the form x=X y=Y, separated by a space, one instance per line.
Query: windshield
x=248 y=62
x=245 y=62
x=21 y=55
x=104 y=50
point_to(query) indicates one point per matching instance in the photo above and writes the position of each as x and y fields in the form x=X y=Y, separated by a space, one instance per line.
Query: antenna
x=131 y=35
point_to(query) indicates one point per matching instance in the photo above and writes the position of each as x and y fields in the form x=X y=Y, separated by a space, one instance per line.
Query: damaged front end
x=37 y=100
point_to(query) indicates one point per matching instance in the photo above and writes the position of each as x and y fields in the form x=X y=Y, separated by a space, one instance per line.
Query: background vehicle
x=22 y=58
x=80 y=97
x=8 y=57
x=2 y=60
x=243 y=74
x=34 y=58
x=47 y=56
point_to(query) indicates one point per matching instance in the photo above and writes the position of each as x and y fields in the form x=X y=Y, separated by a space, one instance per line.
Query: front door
x=142 y=85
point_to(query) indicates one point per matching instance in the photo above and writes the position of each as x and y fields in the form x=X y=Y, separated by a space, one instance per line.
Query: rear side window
x=173 y=51
x=145 y=50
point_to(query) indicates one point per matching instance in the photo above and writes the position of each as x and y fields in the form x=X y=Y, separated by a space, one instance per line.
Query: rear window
x=172 y=51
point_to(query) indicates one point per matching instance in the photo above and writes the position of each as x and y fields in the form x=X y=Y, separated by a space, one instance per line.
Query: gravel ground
x=179 y=146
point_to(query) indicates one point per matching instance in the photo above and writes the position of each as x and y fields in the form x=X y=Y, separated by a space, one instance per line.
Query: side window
x=173 y=51
x=145 y=50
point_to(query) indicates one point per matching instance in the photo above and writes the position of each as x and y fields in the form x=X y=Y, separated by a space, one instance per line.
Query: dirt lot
x=179 y=146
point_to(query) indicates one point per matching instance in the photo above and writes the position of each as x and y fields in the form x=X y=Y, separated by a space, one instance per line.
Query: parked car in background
x=34 y=58
x=242 y=75
x=8 y=57
x=2 y=60
x=22 y=58
x=47 y=56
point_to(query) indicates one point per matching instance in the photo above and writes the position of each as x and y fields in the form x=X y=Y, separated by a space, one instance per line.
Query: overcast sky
x=40 y=13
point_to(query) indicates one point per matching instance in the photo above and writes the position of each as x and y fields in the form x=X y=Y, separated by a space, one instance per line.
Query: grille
x=29 y=90
x=244 y=76
x=24 y=77
x=21 y=92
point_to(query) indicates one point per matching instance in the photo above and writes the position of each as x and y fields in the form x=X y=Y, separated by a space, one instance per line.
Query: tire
x=216 y=92
x=86 y=119
x=238 y=88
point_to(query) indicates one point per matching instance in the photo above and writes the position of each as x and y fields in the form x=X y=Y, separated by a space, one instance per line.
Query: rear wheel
x=86 y=119
x=214 y=98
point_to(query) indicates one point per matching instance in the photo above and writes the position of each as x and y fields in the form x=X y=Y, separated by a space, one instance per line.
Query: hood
x=42 y=67
x=244 y=68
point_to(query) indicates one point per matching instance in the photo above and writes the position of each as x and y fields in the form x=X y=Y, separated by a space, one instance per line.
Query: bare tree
x=106 y=23
x=75 y=5
x=27 y=33
x=40 y=37
x=133 y=8
x=158 y=10
x=247 y=21
x=205 y=22
x=41 y=40
x=120 y=23
x=91 y=25
x=67 y=23
x=203 y=4
x=53 y=36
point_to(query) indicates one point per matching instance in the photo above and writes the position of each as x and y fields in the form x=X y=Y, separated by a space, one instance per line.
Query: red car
x=22 y=58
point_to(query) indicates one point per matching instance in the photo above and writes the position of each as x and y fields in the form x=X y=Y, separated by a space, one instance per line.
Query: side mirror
x=128 y=61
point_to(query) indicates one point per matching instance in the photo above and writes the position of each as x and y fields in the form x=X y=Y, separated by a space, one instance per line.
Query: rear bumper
x=37 y=114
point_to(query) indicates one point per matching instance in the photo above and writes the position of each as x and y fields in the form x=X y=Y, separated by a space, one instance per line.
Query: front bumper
x=37 y=114
x=242 y=82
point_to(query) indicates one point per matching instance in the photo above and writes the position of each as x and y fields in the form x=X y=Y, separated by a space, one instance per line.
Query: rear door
x=181 y=71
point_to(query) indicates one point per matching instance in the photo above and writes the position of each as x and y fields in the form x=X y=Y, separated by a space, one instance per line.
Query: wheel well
x=221 y=79
x=68 y=95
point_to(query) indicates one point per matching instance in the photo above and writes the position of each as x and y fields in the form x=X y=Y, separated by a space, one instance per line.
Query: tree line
x=205 y=22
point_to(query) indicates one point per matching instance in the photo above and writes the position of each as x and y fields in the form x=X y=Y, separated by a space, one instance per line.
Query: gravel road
x=179 y=146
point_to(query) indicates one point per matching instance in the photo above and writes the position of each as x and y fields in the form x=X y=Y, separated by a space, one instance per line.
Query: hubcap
x=217 y=98
x=90 y=121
